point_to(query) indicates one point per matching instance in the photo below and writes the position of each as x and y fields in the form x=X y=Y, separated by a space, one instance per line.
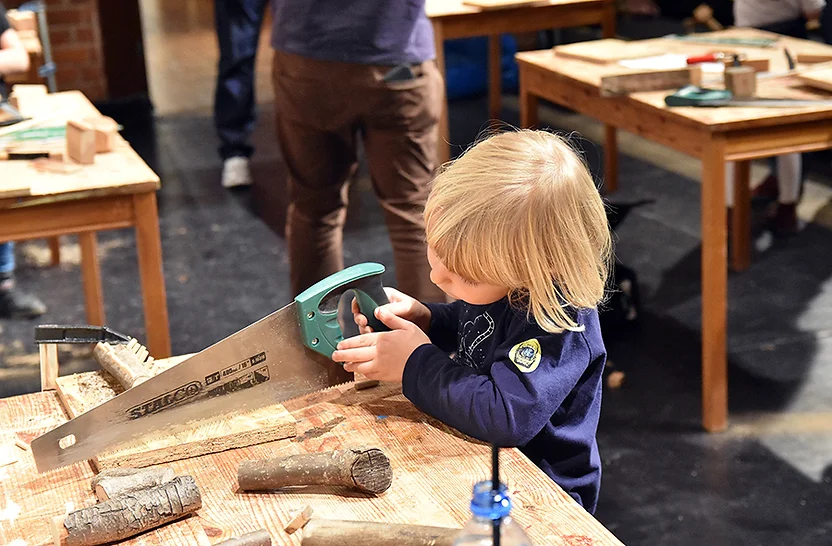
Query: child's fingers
x=365 y=368
x=358 y=354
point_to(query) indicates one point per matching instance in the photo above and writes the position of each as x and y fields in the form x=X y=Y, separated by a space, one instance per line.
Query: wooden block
x=22 y=20
x=106 y=131
x=741 y=81
x=814 y=58
x=81 y=392
x=48 y=366
x=696 y=75
x=300 y=519
x=759 y=65
x=80 y=142
x=657 y=80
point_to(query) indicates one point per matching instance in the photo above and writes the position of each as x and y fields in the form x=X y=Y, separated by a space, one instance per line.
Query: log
x=255 y=538
x=130 y=514
x=120 y=481
x=330 y=532
x=366 y=469
x=127 y=363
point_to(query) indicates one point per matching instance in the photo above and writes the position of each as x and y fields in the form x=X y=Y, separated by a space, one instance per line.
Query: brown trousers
x=321 y=108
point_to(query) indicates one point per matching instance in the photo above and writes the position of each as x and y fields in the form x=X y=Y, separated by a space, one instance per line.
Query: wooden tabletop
x=434 y=468
x=118 y=172
x=448 y=8
x=589 y=74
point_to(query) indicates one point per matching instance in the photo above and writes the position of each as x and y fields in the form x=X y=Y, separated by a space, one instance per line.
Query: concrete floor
x=766 y=481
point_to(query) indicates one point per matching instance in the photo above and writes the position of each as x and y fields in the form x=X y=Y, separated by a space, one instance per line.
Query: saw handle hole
x=67 y=441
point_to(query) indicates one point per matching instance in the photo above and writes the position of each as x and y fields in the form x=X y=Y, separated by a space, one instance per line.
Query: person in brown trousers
x=344 y=70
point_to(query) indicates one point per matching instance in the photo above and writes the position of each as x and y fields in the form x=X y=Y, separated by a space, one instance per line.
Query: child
x=517 y=234
x=13 y=302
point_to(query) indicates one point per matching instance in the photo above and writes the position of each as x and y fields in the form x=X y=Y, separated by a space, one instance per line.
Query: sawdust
x=18 y=542
x=11 y=511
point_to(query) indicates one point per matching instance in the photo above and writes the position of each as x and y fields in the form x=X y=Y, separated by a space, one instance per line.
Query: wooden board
x=84 y=391
x=434 y=468
x=608 y=50
x=820 y=77
x=504 y=4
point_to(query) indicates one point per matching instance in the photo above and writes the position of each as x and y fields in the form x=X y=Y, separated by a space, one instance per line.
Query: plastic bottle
x=488 y=506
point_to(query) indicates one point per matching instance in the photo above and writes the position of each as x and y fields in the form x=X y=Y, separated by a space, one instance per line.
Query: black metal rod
x=495 y=488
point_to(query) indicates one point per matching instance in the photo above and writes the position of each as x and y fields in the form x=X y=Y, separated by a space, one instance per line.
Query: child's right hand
x=400 y=305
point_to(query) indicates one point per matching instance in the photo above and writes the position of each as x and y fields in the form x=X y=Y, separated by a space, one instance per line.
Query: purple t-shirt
x=385 y=32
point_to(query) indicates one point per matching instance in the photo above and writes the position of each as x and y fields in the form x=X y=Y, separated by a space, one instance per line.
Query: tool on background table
x=282 y=356
x=697 y=96
x=728 y=40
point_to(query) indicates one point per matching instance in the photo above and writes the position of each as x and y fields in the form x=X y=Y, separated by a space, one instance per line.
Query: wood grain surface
x=434 y=468
x=819 y=76
x=450 y=8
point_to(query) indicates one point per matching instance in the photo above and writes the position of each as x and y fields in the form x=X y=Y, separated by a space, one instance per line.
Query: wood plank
x=504 y=4
x=84 y=391
x=434 y=468
x=819 y=77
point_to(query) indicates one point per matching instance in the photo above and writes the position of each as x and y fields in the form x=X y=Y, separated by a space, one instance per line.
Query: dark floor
x=766 y=481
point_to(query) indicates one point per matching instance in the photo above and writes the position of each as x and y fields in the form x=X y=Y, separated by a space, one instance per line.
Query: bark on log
x=330 y=532
x=256 y=538
x=364 y=468
x=123 y=362
x=119 y=481
x=128 y=515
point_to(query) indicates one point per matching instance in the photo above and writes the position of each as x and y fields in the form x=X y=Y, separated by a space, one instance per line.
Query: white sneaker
x=236 y=171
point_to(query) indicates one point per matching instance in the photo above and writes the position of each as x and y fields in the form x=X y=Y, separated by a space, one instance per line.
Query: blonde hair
x=520 y=209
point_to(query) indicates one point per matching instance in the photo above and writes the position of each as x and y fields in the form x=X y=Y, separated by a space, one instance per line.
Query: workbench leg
x=610 y=158
x=609 y=23
x=149 y=247
x=55 y=250
x=91 y=272
x=495 y=74
x=741 y=217
x=528 y=103
x=444 y=146
x=714 y=289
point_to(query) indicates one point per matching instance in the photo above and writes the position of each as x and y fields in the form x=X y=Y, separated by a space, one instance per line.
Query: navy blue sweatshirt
x=512 y=383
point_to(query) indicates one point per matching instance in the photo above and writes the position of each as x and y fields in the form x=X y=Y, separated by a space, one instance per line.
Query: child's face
x=462 y=289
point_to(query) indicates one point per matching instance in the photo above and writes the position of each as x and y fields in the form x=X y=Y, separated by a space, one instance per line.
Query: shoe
x=16 y=304
x=236 y=172
x=784 y=222
x=768 y=190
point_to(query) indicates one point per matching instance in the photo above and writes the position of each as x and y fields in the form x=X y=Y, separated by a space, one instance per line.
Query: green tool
x=697 y=96
x=739 y=42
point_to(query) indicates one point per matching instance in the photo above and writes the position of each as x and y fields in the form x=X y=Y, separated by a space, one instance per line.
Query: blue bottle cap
x=486 y=503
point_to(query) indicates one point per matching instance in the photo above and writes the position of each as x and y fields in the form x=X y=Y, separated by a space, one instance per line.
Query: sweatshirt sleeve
x=811 y=7
x=444 y=318
x=530 y=378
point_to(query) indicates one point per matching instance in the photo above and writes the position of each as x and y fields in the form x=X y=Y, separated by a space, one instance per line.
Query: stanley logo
x=166 y=400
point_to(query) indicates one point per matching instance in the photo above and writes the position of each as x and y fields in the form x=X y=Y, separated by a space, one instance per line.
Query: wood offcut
x=130 y=514
x=330 y=532
x=114 y=482
x=622 y=84
x=366 y=469
x=129 y=363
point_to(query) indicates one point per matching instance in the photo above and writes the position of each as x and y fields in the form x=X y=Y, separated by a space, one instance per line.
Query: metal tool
x=697 y=96
x=732 y=41
x=282 y=356
x=48 y=69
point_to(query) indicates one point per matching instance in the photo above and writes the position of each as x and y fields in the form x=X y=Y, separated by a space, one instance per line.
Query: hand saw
x=282 y=356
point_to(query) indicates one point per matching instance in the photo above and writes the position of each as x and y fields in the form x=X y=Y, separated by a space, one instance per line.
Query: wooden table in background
x=434 y=468
x=453 y=19
x=117 y=191
x=715 y=135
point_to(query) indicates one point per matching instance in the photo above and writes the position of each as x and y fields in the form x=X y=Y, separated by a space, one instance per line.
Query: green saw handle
x=325 y=308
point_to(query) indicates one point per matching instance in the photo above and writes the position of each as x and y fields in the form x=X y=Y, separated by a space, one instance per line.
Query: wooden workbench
x=434 y=468
x=715 y=135
x=117 y=191
x=453 y=19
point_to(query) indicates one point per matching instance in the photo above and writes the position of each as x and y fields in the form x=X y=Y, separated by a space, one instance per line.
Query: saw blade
x=260 y=365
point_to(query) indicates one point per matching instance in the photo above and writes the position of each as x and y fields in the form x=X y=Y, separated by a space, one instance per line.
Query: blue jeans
x=238 y=31
x=6 y=258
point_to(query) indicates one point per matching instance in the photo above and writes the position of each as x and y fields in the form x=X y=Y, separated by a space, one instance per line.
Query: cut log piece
x=299 y=521
x=130 y=514
x=119 y=481
x=256 y=538
x=128 y=363
x=366 y=469
x=330 y=532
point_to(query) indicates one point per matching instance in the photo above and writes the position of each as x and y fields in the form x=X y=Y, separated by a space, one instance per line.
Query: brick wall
x=75 y=35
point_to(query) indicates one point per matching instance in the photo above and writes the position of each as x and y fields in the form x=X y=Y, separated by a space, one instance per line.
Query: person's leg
x=789 y=176
x=238 y=31
x=320 y=160
x=401 y=138
x=13 y=302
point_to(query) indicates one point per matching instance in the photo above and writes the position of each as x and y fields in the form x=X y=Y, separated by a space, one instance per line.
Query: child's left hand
x=381 y=355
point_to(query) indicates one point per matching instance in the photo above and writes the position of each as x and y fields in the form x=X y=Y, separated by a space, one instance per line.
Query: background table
x=715 y=135
x=453 y=19
x=434 y=468
x=118 y=191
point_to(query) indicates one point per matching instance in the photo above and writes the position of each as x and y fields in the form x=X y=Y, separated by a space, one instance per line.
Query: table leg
x=149 y=247
x=91 y=273
x=55 y=250
x=741 y=217
x=444 y=147
x=714 y=289
x=528 y=104
x=495 y=75
x=610 y=158
x=609 y=22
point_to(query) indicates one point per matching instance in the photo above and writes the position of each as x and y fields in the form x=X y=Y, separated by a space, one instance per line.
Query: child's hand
x=400 y=305
x=381 y=355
